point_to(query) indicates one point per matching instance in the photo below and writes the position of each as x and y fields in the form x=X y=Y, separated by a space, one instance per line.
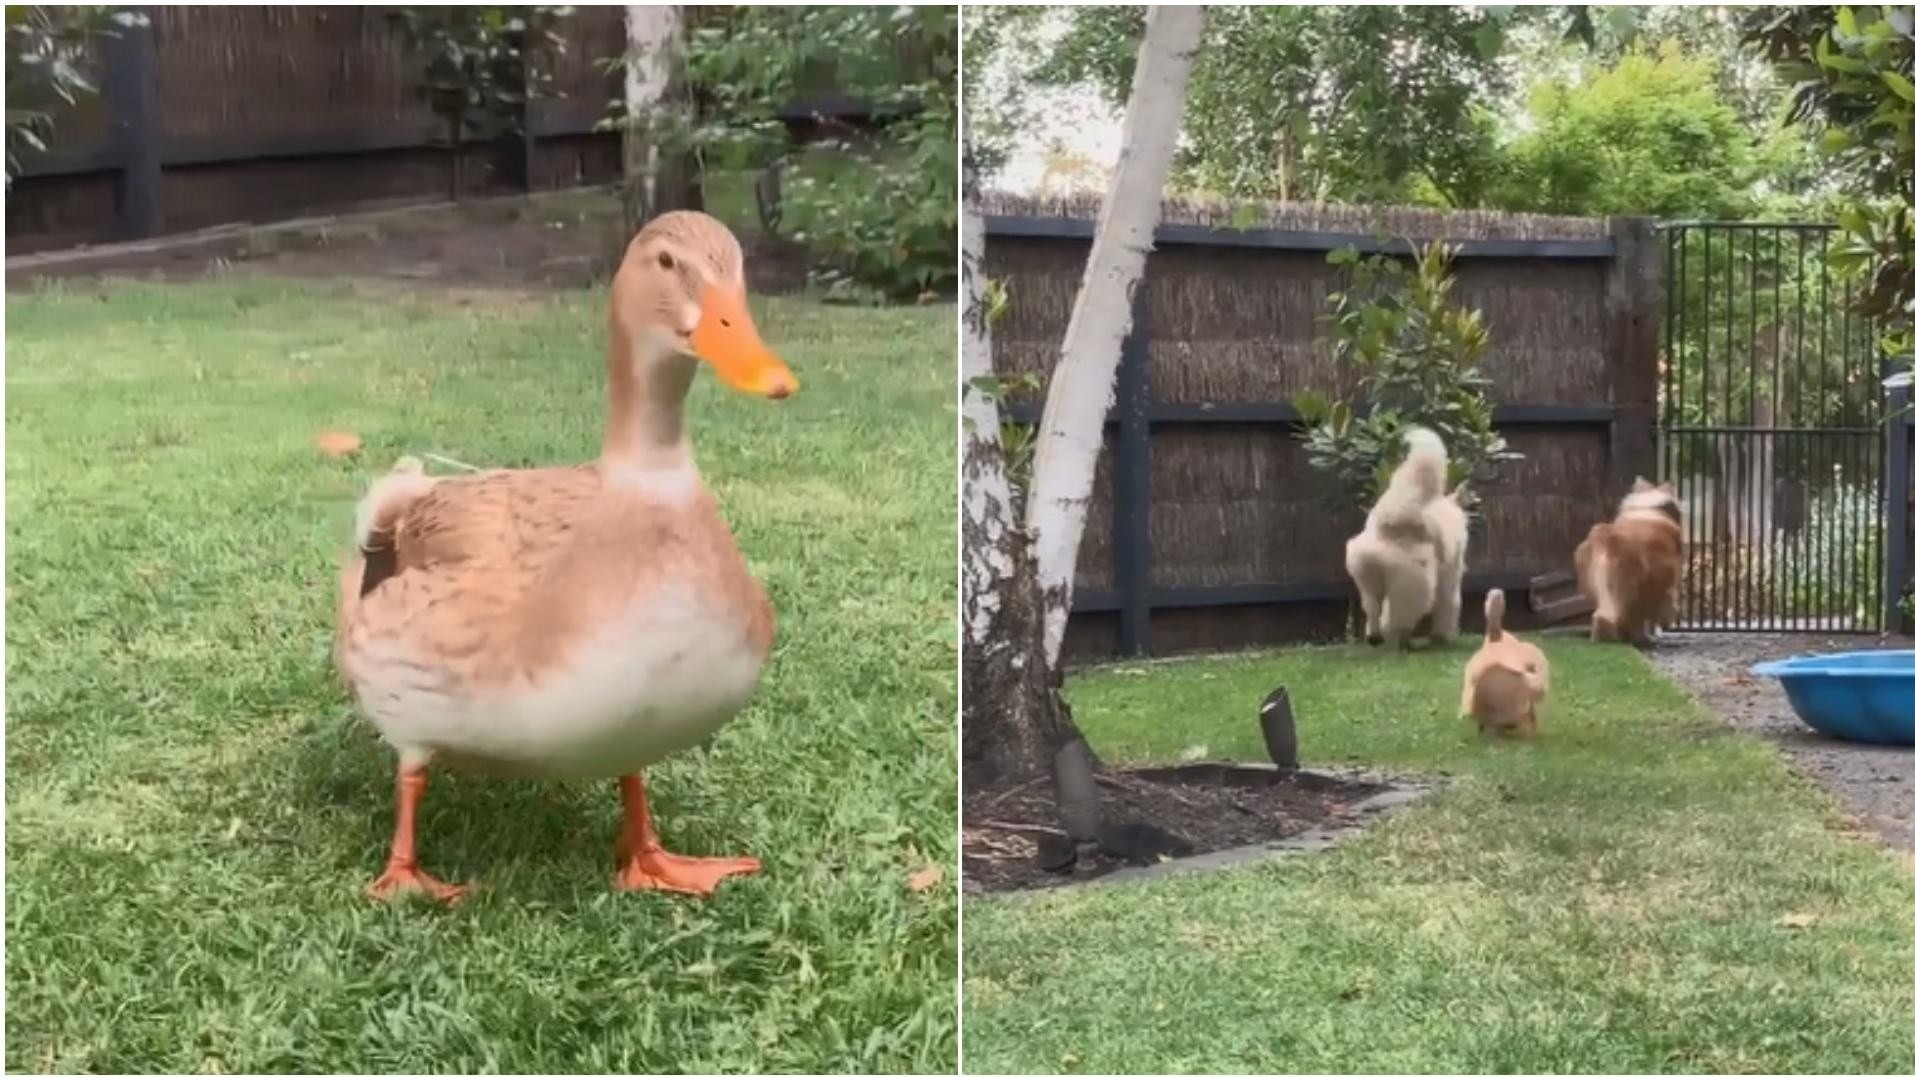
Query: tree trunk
x=1079 y=399
x=655 y=181
x=1286 y=143
x=1015 y=718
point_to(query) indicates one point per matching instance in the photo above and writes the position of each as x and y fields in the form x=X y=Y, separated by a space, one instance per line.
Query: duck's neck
x=645 y=442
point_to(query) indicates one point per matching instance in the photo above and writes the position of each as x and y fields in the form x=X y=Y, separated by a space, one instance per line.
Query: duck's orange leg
x=643 y=864
x=402 y=874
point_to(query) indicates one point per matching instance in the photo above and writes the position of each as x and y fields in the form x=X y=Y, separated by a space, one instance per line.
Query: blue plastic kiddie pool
x=1867 y=696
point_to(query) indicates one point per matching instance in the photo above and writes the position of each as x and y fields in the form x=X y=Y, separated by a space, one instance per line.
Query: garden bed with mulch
x=1164 y=819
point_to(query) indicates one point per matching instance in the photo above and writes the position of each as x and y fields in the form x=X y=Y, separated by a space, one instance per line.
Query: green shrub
x=879 y=216
x=1853 y=75
x=1417 y=358
x=51 y=62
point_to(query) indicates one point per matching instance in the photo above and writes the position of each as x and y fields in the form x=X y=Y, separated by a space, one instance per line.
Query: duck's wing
x=513 y=522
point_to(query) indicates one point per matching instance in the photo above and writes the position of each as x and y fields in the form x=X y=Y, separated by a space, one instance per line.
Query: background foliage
x=52 y=60
x=1852 y=71
x=481 y=64
x=879 y=216
x=1584 y=110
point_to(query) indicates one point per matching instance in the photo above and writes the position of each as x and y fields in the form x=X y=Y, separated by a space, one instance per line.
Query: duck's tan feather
x=497 y=576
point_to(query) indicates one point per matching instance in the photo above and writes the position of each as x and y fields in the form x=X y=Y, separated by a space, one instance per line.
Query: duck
x=581 y=622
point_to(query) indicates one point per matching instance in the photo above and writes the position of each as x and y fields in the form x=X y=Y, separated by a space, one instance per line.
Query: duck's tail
x=376 y=527
x=385 y=504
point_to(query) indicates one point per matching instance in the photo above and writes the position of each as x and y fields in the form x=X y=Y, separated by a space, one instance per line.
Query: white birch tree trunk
x=987 y=507
x=652 y=44
x=1015 y=718
x=1081 y=388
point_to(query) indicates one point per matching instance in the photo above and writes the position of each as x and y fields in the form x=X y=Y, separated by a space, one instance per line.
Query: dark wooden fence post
x=1632 y=298
x=1900 y=430
x=1130 y=504
x=521 y=147
x=131 y=94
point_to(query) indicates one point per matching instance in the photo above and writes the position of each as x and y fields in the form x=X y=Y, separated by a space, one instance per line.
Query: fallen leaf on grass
x=1797 y=919
x=338 y=443
x=925 y=879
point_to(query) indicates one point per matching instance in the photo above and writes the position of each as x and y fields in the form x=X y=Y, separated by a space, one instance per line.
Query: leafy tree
x=1418 y=362
x=51 y=61
x=480 y=69
x=882 y=219
x=1367 y=104
x=1853 y=74
x=995 y=105
x=1648 y=135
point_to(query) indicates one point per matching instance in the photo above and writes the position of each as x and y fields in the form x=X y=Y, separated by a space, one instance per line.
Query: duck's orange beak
x=726 y=338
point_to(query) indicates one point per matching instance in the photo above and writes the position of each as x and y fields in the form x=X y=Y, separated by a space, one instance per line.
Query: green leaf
x=1903 y=88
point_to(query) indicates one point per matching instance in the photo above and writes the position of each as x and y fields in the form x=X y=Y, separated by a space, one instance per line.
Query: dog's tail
x=1493 y=615
x=1427 y=464
x=1418 y=480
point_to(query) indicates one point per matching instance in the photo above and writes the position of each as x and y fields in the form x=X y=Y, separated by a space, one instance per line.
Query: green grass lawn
x=193 y=807
x=1639 y=890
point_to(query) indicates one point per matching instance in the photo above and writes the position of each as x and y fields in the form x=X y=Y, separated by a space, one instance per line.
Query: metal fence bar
x=1900 y=432
x=1772 y=435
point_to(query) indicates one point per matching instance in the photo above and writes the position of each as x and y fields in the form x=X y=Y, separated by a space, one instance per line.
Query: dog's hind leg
x=1405 y=604
x=1447 y=618
x=1369 y=586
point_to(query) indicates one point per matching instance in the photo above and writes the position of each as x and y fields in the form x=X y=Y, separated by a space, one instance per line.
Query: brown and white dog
x=1506 y=680
x=1630 y=566
x=1408 y=561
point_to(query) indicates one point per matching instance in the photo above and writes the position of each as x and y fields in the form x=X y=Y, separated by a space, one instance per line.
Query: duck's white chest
x=654 y=681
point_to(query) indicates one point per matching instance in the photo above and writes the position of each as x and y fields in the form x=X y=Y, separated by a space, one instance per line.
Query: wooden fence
x=248 y=113
x=215 y=115
x=1207 y=527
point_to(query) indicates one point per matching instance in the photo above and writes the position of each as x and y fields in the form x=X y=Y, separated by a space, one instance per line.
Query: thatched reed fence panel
x=300 y=73
x=1210 y=528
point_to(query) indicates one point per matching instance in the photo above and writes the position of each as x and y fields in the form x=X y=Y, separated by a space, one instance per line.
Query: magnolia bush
x=1418 y=356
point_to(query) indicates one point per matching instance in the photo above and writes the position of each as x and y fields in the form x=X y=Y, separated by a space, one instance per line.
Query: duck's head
x=681 y=291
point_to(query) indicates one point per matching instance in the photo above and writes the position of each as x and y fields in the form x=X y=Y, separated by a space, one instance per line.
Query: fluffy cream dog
x=1408 y=561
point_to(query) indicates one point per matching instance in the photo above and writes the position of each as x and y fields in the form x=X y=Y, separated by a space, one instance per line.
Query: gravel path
x=1877 y=785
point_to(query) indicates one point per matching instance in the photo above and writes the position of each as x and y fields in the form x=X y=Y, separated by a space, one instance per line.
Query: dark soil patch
x=569 y=239
x=1210 y=807
x=1873 y=783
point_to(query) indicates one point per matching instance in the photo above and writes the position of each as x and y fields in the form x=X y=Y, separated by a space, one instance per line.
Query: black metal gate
x=1771 y=402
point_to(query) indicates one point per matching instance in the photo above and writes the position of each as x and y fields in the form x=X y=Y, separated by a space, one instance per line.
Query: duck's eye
x=666 y=261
